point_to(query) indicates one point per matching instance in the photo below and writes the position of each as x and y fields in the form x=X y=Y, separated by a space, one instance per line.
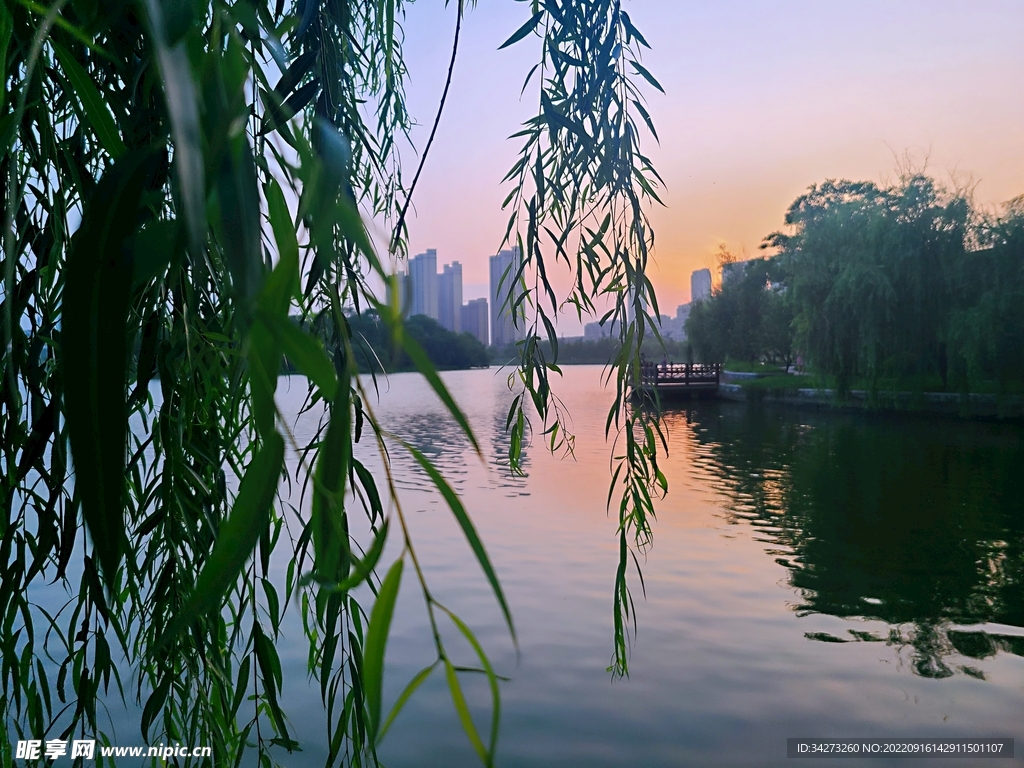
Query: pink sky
x=762 y=101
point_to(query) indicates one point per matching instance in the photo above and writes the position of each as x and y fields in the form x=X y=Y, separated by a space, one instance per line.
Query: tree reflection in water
x=918 y=523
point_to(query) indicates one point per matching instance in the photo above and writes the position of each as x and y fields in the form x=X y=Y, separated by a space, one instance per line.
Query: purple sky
x=763 y=99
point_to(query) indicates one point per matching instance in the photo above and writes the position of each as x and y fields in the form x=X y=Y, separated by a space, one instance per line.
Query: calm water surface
x=811 y=575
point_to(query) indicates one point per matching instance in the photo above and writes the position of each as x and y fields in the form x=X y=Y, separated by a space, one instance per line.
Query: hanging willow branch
x=579 y=192
x=185 y=186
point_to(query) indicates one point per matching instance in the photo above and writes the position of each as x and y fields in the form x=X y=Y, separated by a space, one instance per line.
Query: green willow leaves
x=579 y=192
x=185 y=185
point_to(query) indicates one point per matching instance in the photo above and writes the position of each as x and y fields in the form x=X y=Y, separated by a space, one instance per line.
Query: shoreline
x=964 y=406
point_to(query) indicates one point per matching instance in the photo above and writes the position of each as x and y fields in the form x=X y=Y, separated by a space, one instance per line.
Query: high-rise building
x=403 y=285
x=700 y=285
x=675 y=328
x=474 y=319
x=504 y=292
x=423 y=273
x=449 y=297
x=594 y=331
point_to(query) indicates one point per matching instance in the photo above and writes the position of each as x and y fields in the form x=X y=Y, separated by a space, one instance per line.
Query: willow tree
x=180 y=180
x=987 y=317
x=871 y=273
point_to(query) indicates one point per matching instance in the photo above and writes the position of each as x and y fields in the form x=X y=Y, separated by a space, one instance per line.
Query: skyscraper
x=504 y=271
x=594 y=331
x=403 y=286
x=700 y=285
x=474 y=319
x=449 y=297
x=423 y=273
x=676 y=327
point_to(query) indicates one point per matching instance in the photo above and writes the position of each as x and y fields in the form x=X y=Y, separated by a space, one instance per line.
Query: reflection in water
x=810 y=575
x=915 y=523
x=424 y=424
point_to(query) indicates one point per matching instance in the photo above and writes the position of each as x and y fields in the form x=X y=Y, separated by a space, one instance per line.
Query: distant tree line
x=375 y=348
x=601 y=351
x=909 y=285
x=748 y=318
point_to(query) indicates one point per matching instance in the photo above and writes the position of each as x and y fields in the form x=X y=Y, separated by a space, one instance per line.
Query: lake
x=812 y=574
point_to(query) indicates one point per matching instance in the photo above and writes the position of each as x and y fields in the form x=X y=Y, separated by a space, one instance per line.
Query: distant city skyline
x=438 y=295
x=489 y=318
x=761 y=102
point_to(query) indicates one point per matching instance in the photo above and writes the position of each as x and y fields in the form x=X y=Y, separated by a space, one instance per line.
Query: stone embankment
x=973 y=405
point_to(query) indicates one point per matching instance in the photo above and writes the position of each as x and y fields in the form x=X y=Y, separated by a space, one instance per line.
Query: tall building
x=675 y=328
x=403 y=286
x=423 y=274
x=700 y=285
x=449 y=297
x=504 y=270
x=474 y=319
x=594 y=331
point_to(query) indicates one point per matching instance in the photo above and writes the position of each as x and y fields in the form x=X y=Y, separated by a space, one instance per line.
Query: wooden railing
x=683 y=374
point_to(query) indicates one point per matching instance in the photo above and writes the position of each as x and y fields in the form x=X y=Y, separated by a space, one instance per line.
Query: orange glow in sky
x=762 y=100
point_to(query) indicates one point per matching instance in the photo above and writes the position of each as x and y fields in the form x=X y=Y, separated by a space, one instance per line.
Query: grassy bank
x=786 y=382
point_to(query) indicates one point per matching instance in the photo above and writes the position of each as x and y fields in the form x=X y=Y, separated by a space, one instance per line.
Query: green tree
x=870 y=275
x=987 y=320
x=747 y=318
x=180 y=179
x=704 y=333
x=776 y=327
x=445 y=350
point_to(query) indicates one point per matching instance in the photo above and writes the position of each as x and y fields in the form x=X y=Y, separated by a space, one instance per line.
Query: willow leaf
x=304 y=351
x=182 y=107
x=236 y=540
x=361 y=569
x=424 y=366
x=97 y=293
x=6 y=28
x=281 y=222
x=403 y=697
x=455 y=504
x=462 y=710
x=240 y=221
x=328 y=521
x=642 y=71
x=94 y=106
x=523 y=31
x=492 y=679
x=264 y=364
x=376 y=642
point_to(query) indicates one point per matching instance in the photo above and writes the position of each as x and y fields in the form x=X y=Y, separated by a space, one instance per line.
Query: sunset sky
x=763 y=99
